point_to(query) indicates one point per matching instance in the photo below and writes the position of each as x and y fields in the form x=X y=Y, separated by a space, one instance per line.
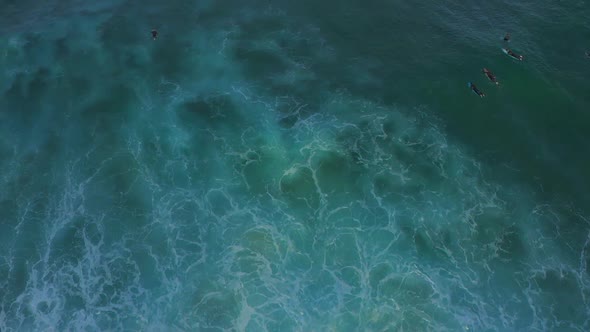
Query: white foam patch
x=438 y=231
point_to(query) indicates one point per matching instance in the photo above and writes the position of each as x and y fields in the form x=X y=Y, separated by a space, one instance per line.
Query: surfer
x=588 y=54
x=507 y=37
x=154 y=34
x=476 y=90
x=514 y=55
x=490 y=75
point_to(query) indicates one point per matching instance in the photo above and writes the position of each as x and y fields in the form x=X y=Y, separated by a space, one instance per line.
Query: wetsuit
x=514 y=55
x=476 y=90
x=490 y=75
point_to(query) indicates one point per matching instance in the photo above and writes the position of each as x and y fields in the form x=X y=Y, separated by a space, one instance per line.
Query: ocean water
x=294 y=166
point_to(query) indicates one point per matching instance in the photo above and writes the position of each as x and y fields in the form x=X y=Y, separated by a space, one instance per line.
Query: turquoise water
x=294 y=166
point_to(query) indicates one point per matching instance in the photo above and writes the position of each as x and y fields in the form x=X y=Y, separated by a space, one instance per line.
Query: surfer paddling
x=475 y=90
x=512 y=54
x=490 y=76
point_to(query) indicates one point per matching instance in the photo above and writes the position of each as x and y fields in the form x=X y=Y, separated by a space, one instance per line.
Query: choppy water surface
x=293 y=166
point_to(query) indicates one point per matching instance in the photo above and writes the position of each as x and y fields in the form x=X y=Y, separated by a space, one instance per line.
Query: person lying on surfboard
x=490 y=75
x=154 y=34
x=514 y=55
x=476 y=90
